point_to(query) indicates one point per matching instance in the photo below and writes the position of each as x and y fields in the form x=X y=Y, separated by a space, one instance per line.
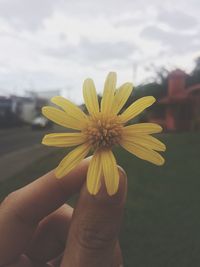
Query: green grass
x=162 y=216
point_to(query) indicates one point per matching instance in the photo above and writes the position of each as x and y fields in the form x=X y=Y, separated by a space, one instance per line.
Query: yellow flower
x=100 y=130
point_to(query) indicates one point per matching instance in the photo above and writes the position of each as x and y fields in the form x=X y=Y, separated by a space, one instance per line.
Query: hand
x=38 y=229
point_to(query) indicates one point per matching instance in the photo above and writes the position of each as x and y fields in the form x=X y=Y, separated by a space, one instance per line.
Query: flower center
x=103 y=133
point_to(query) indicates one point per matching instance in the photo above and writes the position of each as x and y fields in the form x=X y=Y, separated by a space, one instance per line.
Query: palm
x=37 y=228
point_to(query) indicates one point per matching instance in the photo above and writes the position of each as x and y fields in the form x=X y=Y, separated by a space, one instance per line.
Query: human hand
x=37 y=228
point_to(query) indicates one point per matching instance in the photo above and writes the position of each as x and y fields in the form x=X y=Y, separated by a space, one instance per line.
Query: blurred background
x=48 y=48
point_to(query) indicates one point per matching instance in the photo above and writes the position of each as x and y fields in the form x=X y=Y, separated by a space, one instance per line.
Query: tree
x=194 y=77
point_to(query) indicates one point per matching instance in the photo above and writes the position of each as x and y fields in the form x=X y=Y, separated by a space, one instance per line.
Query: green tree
x=194 y=77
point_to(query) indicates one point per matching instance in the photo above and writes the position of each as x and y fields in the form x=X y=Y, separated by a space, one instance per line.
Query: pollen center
x=103 y=132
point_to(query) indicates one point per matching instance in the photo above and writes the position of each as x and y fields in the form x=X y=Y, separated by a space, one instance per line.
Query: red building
x=180 y=109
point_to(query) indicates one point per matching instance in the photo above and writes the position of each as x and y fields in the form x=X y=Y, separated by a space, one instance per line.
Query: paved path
x=14 y=162
x=19 y=147
x=18 y=138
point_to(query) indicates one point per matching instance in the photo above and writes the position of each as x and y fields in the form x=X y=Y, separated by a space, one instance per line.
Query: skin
x=38 y=229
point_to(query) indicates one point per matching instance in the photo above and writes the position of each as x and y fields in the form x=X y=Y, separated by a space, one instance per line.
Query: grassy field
x=162 y=218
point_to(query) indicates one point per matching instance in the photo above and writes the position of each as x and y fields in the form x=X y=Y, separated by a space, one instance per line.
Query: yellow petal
x=136 y=108
x=110 y=171
x=108 y=93
x=63 y=139
x=94 y=174
x=121 y=96
x=72 y=160
x=61 y=118
x=143 y=128
x=70 y=108
x=90 y=97
x=143 y=153
x=145 y=140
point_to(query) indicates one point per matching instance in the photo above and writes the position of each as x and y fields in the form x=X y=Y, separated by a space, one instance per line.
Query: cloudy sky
x=52 y=44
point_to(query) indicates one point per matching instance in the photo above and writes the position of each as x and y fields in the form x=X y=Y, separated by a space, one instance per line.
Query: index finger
x=22 y=210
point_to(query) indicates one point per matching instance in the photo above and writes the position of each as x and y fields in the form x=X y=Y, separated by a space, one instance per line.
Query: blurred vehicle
x=41 y=122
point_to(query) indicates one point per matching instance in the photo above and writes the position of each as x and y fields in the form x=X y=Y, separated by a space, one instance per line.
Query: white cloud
x=177 y=19
x=177 y=42
x=97 y=52
x=50 y=44
x=23 y=14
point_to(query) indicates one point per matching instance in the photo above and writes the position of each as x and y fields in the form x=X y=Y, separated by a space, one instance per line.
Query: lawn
x=162 y=217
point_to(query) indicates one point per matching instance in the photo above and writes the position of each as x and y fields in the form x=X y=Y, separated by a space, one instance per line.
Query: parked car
x=41 y=122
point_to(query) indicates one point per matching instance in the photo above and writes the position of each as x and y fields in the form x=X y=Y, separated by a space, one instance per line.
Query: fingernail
x=119 y=196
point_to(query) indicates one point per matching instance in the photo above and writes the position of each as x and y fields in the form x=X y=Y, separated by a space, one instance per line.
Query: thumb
x=93 y=234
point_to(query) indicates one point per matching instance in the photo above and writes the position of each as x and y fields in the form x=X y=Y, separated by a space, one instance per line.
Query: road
x=18 y=138
x=19 y=147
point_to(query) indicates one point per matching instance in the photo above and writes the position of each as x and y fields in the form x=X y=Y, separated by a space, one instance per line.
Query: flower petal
x=108 y=94
x=90 y=97
x=94 y=174
x=143 y=128
x=143 y=153
x=145 y=140
x=136 y=108
x=121 y=96
x=63 y=139
x=61 y=118
x=110 y=171
x=71 y=109
x=72 y=160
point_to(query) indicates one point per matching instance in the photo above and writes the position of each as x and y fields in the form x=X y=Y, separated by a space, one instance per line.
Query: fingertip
x=122 y=190
x=102 y=196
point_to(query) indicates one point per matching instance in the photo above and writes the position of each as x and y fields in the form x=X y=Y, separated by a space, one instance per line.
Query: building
x=17 y=110
x=179 y=110
x=7 y=116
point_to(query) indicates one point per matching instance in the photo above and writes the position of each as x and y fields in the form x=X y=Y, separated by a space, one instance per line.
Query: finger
x=56 y=262
x=50 y=236
x=24 y=261
x=94 y=229
x=117 y=256
x=22 y=210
